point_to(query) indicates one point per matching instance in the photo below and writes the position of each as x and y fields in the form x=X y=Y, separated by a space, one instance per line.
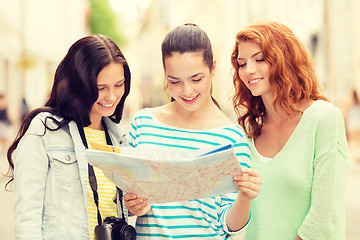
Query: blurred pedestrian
x=353 y=126
x=24 y=109
x=298 y=141
x=53 y=197
x=5 y=124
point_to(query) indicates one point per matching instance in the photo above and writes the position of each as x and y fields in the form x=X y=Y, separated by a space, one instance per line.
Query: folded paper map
x=164 y=176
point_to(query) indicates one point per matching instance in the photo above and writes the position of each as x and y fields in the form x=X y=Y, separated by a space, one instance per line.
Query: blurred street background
x=36 y=34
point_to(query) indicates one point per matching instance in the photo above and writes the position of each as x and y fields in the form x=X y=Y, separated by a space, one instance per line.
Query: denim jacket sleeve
x=49 y=180
x=30 y=173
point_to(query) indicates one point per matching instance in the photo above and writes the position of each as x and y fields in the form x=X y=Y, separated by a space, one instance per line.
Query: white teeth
x=189 y=99
x=255 y=80
x=106 y=105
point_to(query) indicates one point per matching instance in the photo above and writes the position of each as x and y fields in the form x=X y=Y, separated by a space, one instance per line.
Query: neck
x=96 y=125
x=279 y=116
x=203 y=111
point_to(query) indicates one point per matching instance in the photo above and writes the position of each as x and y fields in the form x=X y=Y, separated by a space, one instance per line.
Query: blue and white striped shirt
x=194 y=219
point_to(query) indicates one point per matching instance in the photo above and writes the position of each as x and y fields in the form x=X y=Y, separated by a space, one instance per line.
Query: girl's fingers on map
x=129 y=196
x=131 y=200
x=249 y=175
x=250 y=193
x=248 y=185
x=140 y=209
x=250 y=171
x=137 y=206
x=248 y=189
x=144 y=210
x=249 y=182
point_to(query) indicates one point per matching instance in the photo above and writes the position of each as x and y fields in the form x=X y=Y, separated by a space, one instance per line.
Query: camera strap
x=92 y=177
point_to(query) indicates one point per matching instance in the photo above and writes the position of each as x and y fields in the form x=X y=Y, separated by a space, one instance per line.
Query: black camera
x=114 y=228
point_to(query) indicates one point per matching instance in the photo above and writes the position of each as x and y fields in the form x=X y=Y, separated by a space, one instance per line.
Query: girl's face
x=254 y=71
x=111 y=87
x=189 y=79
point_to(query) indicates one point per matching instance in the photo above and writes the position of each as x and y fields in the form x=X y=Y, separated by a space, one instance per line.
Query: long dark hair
x=188 y=38
x=75 y=90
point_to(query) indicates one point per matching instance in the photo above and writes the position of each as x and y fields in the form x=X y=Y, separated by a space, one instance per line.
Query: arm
x=248 y=184
x=325 y=219
x=326 y=216
x=30 y=173
x=136 y=206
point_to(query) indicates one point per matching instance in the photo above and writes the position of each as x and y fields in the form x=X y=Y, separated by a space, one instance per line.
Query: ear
x=212 y=70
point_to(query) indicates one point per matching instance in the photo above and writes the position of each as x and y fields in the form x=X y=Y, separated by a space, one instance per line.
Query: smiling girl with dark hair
x=192 y=121
x=53 y=199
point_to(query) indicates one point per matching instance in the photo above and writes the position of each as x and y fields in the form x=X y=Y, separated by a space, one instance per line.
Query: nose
x=187 y=89
x=111 y=96
x=250 y=68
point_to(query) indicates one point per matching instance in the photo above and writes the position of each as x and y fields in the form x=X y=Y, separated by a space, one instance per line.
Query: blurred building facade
x=328 y=28
x=34 y=36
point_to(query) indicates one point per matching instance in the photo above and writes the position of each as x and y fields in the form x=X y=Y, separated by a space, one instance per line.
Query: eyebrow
x=251 y=56
x=104 y=84
x=175 y=78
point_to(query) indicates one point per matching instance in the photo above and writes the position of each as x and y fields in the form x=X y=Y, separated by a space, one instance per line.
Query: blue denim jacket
x=50 y=179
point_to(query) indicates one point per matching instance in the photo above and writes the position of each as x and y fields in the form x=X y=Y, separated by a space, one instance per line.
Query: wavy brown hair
x=292 y=76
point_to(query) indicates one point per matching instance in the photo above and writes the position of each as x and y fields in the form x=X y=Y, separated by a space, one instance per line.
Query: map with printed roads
x=166 y=177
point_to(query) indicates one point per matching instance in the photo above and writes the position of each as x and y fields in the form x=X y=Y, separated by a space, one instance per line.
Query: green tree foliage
x=103 y=21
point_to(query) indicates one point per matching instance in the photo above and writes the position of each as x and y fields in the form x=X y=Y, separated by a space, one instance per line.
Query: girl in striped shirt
x=192 y=121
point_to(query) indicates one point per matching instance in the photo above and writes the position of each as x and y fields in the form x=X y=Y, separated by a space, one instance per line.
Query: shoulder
x=142 y=113
x=114 y=128
x=153 y=113
x=41 y=120
x=328 y=123
x=141 y=116
x=221 y=117
x=323 y=108
x=163 y=112
x=236 y=129
x=324 y=113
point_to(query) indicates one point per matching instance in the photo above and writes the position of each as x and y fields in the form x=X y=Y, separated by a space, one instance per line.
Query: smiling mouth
x=256 y=80
x=190 y=100
x=106 y=105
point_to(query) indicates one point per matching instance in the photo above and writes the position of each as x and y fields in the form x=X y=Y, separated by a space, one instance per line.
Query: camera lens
x=128 y=232
x=125 y=232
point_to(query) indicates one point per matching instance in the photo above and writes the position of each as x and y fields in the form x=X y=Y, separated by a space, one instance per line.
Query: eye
x=120 y=84
x=197 y=80
x=241 y=65
x=100 y=88
x=173 y=82
x=260 y=60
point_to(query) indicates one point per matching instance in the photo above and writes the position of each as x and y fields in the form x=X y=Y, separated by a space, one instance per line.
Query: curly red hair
x=292 y=75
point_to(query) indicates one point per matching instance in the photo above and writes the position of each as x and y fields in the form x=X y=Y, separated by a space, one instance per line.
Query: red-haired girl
x=298 y=138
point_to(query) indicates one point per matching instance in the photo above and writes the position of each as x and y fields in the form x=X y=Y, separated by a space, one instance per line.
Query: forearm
x=238 y=215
